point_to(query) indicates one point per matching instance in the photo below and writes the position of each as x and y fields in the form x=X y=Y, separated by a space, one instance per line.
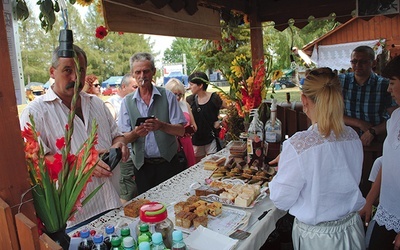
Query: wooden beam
x=14 y=175
x=238 y=6
x=126 y=16
x=256 y=37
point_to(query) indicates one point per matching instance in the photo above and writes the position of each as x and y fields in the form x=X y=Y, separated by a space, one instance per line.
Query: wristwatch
x=372 y=131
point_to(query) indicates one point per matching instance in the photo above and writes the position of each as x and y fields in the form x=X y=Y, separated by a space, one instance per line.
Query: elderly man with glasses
x=367 y=106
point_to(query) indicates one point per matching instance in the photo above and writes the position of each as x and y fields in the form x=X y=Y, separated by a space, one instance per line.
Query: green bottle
x=143 y=238
x=144 y=229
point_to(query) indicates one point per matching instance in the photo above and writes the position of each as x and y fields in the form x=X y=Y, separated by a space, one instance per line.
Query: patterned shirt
x=368 y=102
x=51 y=116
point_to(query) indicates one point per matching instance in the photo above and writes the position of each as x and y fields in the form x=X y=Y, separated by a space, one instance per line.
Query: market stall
x=178 y=188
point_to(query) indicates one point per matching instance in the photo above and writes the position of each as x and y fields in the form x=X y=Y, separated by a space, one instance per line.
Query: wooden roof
x=363 y=29
x=200 y=18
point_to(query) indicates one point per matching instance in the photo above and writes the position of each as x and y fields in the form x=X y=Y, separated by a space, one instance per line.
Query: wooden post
x=27 y=232
x=8 y=234
x=256 y=36
x=14 y=174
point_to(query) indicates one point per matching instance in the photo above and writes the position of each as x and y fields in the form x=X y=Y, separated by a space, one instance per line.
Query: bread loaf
x=132 y=209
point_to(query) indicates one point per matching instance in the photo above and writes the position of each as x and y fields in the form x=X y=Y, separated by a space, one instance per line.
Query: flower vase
x=61 y=238
x=246 y=125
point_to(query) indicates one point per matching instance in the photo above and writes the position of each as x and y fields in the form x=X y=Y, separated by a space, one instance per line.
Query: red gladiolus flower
x=60 y=143
x=54 y=167
x=120 y=33
x=101 y=32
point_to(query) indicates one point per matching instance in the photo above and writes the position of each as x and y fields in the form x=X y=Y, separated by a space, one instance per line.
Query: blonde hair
x=322 y=86
x=174 y=84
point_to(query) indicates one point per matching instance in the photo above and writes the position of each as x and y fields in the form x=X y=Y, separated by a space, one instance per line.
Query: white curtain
x=337 y=56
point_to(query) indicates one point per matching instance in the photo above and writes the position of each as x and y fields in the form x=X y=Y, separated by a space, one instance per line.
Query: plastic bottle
x=144 y=246
x=273 y=127
x=156 y=216
x=143 y=238
x=129 y=243
x=255 y=152
x=157 y=240
x=144 y=229
x=116 y=243
x=98 y=243
x=177 y=241
x=110 y=232
x=126 y=232
x=86 y=240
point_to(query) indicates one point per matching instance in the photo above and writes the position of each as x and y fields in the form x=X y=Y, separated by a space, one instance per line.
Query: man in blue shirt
x=153 y=140
x=367 y=102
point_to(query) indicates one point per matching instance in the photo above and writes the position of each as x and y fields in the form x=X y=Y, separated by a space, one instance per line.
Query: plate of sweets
x=232 y=192
x=194 y=212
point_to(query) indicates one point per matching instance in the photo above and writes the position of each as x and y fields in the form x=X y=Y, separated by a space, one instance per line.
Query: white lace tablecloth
x=177 y=189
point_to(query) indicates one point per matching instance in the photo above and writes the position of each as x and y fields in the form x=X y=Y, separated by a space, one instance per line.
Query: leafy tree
x=110 y=56
x=182 y=46
x=106 y=57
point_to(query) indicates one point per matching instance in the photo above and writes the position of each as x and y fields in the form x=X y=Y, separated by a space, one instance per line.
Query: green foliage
x=107 y=57
x=182 y=46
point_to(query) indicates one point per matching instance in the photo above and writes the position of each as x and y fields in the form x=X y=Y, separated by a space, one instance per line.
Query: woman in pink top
x=176 y=87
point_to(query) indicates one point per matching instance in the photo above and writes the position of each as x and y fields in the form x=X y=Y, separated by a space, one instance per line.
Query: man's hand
x=124 y=149
x=102 y=170
x=367 y=138
x=153 y=124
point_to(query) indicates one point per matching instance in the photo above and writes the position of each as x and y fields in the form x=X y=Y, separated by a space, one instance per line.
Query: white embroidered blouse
x=318 y=177
x=388 y=212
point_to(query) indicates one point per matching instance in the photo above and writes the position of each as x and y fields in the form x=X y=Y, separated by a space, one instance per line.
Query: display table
x=177 y=189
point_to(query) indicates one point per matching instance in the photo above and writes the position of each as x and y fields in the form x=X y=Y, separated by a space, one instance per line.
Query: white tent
x=338 y=56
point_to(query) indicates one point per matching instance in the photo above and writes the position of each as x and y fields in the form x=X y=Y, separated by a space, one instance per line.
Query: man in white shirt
x=50 y=112
x=127 y=184
x=128 y=85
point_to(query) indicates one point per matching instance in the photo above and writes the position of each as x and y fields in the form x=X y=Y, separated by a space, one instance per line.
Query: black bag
x=217 y=141
x=181 y=156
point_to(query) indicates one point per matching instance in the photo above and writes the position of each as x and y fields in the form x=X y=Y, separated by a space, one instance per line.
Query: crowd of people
x=319 y=169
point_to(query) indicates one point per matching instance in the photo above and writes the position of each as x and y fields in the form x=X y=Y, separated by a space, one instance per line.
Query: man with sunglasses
x=367 y=102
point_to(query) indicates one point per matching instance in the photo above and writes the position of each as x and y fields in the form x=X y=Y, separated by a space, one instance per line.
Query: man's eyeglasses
x=96 y=85
x=362 y=61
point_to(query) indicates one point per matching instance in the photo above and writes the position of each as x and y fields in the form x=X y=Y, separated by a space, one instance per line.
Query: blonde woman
x=319 y=172
x=176 y=87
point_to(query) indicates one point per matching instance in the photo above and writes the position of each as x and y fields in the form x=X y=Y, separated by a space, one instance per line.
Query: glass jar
x=155 y=215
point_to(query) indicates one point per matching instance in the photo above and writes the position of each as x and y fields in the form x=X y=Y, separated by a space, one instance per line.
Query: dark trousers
x=151 y=173
x=381 y=238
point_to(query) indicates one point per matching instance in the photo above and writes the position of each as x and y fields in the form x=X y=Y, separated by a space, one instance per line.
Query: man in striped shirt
x=50 y=112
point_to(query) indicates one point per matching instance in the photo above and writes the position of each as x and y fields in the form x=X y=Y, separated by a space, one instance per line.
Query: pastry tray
x=214 y=197
x=225 y=223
